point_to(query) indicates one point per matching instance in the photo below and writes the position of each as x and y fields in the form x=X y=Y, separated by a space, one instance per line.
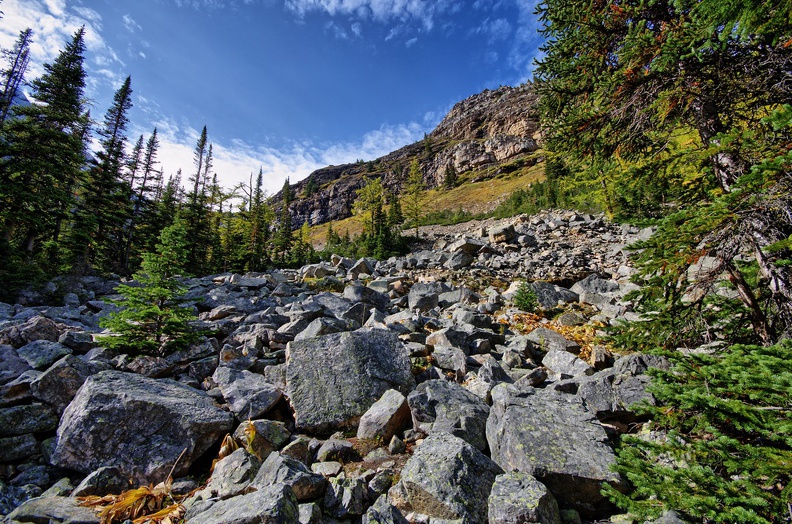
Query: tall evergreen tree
x=283 y=240
x=413 y=195
x=195 y=212
x=97 y=238
x=145 y=194
x=13 y=76
x=42 y=157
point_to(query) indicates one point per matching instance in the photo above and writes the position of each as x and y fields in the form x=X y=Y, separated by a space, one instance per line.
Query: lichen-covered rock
x=383 y=512
x=58 y=385
x=231 y=475
x=518 y=498
x=558 y=442
x=11 y=364
x=103 y=481
x=40 y=354
x=447 y=478
x=440 y=406
x=346 y=497
x=274 y=504
x=334 y=379
x=566 y=365
x=280 y=469
x=139 y=424
x=267 y=435
x=248 y=394
x=31 y=418
x=386 y=417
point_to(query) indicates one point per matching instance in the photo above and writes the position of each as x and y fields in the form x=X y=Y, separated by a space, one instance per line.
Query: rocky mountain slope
x=483 y=135
x=406 y=390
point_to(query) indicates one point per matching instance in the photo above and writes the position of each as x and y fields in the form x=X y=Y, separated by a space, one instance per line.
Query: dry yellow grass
x=473 y=197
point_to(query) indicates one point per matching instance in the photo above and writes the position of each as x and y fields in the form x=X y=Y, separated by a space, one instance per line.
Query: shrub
x=526 y=298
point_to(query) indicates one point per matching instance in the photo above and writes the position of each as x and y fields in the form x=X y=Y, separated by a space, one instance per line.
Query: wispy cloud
x=525 y=49
x=385 y=11
x=235 y=159
x=130 y=24
x=53 y=23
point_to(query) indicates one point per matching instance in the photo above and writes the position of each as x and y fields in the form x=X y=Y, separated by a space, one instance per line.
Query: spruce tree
x=153 y=319
x=13 y=76
x=97 y=238
x=42 y=155
x=195 y=213
x=413 y=195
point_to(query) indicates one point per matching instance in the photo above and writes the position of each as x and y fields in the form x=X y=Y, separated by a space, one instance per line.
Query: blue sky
x=286 y=85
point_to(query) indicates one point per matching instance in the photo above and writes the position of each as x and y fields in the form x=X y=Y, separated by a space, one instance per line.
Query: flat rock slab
x=557 y=441
x=139 y=424
x=447 y=478
x=334 y=379
x=40 y=354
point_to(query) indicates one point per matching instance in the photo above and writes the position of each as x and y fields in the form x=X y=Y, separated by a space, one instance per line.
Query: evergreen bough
x=153 y=319
x=725 y=445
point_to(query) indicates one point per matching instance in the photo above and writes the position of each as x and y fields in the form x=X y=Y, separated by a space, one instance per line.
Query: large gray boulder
x=281 y=469
x=274 y=504
x=557 y=441
x=440 y=406
x=139 y=424
x=551 y=296
x=334 y=379
x=58 y=385
x=447 y=478
x=518 y=498
x=231 y=476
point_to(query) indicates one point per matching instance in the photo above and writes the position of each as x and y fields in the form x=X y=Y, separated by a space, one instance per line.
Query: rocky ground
x=406 y=390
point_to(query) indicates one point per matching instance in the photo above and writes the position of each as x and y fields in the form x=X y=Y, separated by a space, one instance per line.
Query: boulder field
x=406 y=390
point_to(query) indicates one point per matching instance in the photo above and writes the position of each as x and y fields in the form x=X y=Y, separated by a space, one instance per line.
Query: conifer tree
x=413 y=195
x=97 y=238
x=450 y=179
x=284 y=236
x=13 y=76
x=260 y=221
x=153 y=319
x=143 y=224
x=42 y=154
x=196 y=213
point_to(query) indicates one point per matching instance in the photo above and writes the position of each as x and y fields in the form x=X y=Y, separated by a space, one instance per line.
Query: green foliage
x=450 y=179
x=414 y=194
x=525 y=298
x=152 y=319
x=726 y=445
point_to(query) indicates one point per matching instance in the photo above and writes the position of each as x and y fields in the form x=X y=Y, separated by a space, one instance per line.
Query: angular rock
x=382 y=512
x=459 y=260
x=18 y=447
x=550 y=295
x=231 y=475
x=558 y=442
x=451 y=359
x=138 y=424
x=386 y=417
x=310 y=513
x=274 y=504
x=36 y=328
x=345 y=497
x=566 y=364
x=40 y=354
x=595 y=284
x=334 y=379
x=518 y=498
x=58 y=385
x=322 y=326
x=265 y=436
x=31 y=418
x=279 y=469
x=11 y=364
x=335 y=449
x=504 y=233
x=103 y=481
x=450 y=337
x=439 y=406
x=54 y=510
x=550 y=340
x=447 y=478
x=366 y=295
x=249 y=394
x=422 y=297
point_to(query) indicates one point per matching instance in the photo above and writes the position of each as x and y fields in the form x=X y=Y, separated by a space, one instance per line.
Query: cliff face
x=478 y=135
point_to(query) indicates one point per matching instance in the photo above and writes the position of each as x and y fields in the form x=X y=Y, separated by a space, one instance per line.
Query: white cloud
x=130 y=24
x=53 y=25
x=525 y=49
x=385 y=11
x=494 y=29
x=235 y=160
x=409 y=43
